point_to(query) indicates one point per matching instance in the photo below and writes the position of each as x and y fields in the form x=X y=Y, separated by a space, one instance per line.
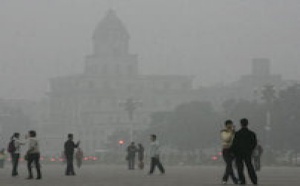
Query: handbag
x=26 y=157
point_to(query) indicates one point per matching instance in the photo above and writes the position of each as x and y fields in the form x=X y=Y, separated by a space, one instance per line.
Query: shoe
x=224 y=182
x=38 y=178
x=14 y=174
x=29 y=178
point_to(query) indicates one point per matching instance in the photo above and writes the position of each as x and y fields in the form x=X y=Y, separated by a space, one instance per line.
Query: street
x=104 y=175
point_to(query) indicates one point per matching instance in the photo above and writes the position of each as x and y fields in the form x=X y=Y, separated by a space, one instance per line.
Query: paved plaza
x=104 y=175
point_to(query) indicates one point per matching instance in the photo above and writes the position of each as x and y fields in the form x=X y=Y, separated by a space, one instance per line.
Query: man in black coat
x=69 y=154
x=131 y=151
x=243 y=145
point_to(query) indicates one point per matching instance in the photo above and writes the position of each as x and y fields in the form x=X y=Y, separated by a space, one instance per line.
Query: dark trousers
x=15 y=163
x=240 y=160
x=70 y=166
x=156 y=162
x=141 y=162
x=228 y=158
x=131 y=163
x=34 y=157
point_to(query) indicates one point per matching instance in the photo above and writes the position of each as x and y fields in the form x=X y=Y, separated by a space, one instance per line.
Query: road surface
x=104 y=175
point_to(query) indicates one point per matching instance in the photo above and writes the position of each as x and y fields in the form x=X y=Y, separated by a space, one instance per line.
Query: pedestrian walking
x=155 y=155
x=243 y=145
x=14 y=148
x=141 y=155
x=2 y=158
x=79 y=157
x=33 y=154
x=69 y=148
x=257 y=152
x=131 y=152
x=227 y=136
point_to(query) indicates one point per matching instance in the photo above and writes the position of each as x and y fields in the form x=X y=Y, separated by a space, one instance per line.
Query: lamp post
x=268 y=95
x=130 y=105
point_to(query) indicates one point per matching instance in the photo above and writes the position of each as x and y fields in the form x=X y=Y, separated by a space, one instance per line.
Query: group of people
x=32 y=154
x=239 y=147
x=154 y=153
x=132 y=150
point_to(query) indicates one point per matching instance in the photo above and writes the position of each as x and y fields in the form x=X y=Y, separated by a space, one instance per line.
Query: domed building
x=93 y=104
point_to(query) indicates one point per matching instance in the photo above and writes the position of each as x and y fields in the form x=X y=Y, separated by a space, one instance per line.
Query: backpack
x=11 y=147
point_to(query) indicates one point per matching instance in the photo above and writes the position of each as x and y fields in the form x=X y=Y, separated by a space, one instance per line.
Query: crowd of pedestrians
x=239 y=148
x=32 y=155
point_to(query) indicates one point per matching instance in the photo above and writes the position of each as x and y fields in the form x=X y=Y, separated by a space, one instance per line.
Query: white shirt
x=154 y=149
x=227 y=138
x=33 y=145
x=18 y=143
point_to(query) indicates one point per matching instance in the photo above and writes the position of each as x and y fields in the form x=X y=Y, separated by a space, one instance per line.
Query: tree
x=253 y=111
x=286 y=126
x=189 y=127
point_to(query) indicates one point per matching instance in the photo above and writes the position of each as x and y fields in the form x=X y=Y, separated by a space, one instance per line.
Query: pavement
x=104 y=175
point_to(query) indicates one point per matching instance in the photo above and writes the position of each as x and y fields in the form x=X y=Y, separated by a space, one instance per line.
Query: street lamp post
x=268 y=95
x=130 y=105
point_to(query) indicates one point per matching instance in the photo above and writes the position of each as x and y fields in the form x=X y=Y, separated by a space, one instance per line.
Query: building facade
x=90 y=104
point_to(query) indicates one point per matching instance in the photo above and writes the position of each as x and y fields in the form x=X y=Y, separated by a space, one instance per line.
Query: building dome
x=110 y=36
x=111 y=25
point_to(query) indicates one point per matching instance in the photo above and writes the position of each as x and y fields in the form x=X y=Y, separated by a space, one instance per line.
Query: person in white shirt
x=227 y=135
x=154 y=155
x=33 y=155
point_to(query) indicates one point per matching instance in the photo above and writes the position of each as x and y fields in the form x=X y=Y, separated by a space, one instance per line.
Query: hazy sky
x=214 y=40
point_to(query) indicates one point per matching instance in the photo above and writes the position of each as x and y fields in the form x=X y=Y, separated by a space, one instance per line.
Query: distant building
x=88 y=104
x=261 y=75
x=248 y=87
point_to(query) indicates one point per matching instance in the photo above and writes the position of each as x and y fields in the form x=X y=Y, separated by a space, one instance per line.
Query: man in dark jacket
x=69 y=154
x=131 y=151
x=243 y=145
